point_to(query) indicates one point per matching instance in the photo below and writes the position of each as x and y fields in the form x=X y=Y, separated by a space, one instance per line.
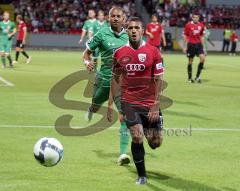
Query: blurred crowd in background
x=68 y=16
x=178 y=12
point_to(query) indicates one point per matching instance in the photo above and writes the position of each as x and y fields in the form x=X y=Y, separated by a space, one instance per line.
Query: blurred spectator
x=226 y=39
x=234 y=40
x=64 y=16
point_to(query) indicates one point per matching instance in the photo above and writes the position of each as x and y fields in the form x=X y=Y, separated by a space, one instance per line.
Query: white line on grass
x=6 y=83
x=50 y=126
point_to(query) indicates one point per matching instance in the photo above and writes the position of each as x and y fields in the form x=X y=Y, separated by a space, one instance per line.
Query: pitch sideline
x=5 y=82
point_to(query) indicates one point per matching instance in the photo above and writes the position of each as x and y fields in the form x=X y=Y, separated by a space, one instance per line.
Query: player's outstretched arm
x=202 y=41
x=82 y=36
x=184 y=43
x=164 y=39
x=149 y=34
x=153 y=114
x=87 y=60
x=10 y=35
x=24 y=35
x=115 y=86
x=211 y=42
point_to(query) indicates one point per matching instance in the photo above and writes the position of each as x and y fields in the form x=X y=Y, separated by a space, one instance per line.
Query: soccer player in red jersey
x=21 y=39
x=155 y=32
x=193 y=37
x=137 y=74
x=234 y=40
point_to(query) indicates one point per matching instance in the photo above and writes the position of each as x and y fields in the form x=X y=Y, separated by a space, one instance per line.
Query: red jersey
x=137 y=69
x=21 y=29
x=234 y=37
x=194 y=32
x=156 y=30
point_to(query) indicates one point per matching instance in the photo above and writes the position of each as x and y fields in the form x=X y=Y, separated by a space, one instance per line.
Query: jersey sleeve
x=116 y=70
x=94 y=41
x=85 y=26
x=158 y=65
x=186 y=30
x=148 y=28
x=160 y=29
x=12 y=25
x=24 y=26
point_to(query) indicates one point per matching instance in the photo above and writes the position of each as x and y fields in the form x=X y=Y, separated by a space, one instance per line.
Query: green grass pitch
x=207 y=160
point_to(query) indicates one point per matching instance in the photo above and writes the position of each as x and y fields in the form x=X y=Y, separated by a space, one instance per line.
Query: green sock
x=124 y=138
x=3 y=58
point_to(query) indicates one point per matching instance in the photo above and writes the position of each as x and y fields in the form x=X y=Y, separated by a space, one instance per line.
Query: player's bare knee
x=202 y=58
x=190 y=60
x=137 y=137
x=137 y=134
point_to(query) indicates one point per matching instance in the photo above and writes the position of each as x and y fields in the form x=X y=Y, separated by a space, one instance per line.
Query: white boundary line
x=50 y=127
x=7 y=83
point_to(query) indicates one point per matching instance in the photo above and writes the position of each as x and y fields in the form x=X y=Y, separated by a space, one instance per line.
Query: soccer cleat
x=11 y=65
x=141 y=180
x=29 y=60
x=123 y=159
x=190 y=80
x=89 y=115
x=198 y=80
x=4 y=66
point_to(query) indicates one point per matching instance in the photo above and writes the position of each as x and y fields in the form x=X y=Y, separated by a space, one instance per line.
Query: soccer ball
x=48 y=151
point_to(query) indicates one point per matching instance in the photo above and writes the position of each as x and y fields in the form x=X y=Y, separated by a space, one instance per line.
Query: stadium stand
x=63 y=16
x=177 y=12
x=68 y=16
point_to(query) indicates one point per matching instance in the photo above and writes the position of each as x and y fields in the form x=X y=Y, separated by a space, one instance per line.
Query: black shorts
x=136 y=114
x=19 y=44
x=194 y=49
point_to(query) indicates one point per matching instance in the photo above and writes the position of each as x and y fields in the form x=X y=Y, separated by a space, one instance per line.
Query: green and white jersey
x=97 y=25
x=206 y=37
x=88 y=25
x=106 y=40
x=5 y=29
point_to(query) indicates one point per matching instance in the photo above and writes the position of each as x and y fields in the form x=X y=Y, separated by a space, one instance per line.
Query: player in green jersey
x=7 y=30
x=207 y=38
x=88 y=25
x=107 y=40
x=99 y=23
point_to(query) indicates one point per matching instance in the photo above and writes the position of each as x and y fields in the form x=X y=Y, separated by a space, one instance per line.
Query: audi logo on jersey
x=135 y=67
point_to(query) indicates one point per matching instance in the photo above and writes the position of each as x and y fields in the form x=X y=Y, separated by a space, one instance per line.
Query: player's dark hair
x=92 y=10
x=195 y=13
x=19 y=17
x=154 y=15
x=135 y=19
x=101 y=12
